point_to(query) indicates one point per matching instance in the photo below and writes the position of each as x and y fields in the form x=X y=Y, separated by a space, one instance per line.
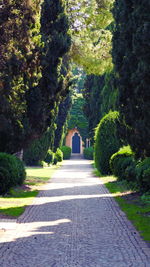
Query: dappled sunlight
x=45 y=200
x=33 y=228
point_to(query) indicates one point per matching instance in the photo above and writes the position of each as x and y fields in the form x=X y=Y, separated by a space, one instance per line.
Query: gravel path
x=74 y=222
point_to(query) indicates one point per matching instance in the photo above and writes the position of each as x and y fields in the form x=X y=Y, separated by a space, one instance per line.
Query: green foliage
x=100 y=97
x=5 y=180
x=92 y=95
x=66 y=152
x=49 y=157
x=106 y=141
x=88 y=153
x=58 y=155
x=122 y=164
x=131 y=57
x=37 y=151
x=61 y=121
x=91 y=40
x=20 y=72
x=143 y=174
x=21 y=171
x=12 y=172
x=34 y=42
x=77 y=118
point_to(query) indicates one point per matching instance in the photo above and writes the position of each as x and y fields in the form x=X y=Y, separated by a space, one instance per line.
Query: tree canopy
x=91 y=38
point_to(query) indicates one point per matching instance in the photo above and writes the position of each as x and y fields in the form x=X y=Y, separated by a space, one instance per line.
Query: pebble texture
x=74 y=222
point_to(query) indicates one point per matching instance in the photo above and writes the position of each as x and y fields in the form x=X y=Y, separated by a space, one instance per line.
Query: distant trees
x=77 y=117
x=91 y=40
x=131 y=57
x=100 y=96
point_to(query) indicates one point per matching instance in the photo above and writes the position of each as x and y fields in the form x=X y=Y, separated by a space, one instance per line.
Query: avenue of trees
x=97 y=48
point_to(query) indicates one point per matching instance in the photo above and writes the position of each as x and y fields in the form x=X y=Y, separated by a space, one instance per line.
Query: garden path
x=73 y=222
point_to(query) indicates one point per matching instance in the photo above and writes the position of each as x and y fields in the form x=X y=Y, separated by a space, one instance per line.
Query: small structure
x=74 y=141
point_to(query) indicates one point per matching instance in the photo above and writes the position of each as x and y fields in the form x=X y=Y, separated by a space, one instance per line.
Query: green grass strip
x=15 y=202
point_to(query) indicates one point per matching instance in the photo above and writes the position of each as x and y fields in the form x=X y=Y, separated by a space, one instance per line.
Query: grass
x=136 y=208
x=15 y=202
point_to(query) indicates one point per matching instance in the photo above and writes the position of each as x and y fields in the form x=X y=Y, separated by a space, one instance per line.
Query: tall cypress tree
x=31 y=83
x=131 y=56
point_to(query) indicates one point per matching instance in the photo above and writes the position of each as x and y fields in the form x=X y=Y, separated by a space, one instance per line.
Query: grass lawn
x=14 y=203
x=135 y=207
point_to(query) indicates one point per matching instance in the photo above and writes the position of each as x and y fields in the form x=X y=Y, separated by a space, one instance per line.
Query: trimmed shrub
x=12 y=172
x=122 y=164
x=106 y=141
x=21 y=171
x=59 y=155
x=88 y=153
x=143 y=174
x=49 y=157
x=66 y=150
x=5 y=180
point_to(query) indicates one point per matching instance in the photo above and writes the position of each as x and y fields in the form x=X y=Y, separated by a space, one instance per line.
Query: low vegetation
x=14 y=202
x=88 y=153
x=106 y=141
x=66 y=152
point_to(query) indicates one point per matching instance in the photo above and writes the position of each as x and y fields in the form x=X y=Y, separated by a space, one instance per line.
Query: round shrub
x=59 y=155
x=143 y=174
x=122 y=164
x=12 y=172
x=49 y=157
x=88 y=153
x=106 y=141
x=66 y=150
x=5 y=180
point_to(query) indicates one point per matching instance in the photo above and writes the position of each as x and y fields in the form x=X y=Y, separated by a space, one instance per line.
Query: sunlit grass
x=15 y=202
x=136 y=210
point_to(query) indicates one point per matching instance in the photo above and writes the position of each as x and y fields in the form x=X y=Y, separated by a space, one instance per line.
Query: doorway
x=76 y=143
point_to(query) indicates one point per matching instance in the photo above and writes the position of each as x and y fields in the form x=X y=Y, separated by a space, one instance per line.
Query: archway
x=76 y=143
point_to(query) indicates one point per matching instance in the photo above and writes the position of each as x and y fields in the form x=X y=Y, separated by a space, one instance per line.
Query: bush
x=5 y=180
x=37 y=151
x=21 y=171
x=12 y=172
x=59 y=155
x=88 y=153
x=106 y=141
x=55 y=160
x=143 y=174
x=66 y=150
x=122 y=164
x=49 y=157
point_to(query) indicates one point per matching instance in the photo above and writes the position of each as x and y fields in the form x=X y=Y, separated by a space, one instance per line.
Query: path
x=74 y=222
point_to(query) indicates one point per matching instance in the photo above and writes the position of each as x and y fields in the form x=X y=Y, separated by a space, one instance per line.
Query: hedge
x=88 y=153
x=12 y=172
x=122 y=164
x=66 y=150
x=143 y=174
x=107 y=141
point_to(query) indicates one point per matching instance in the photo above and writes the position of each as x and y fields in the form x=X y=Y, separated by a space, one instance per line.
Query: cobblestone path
x=74 y=222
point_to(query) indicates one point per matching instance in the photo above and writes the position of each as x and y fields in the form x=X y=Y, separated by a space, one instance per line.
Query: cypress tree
x=131 y=56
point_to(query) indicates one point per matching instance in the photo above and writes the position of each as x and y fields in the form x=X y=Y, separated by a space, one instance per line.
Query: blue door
x=76 y=143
